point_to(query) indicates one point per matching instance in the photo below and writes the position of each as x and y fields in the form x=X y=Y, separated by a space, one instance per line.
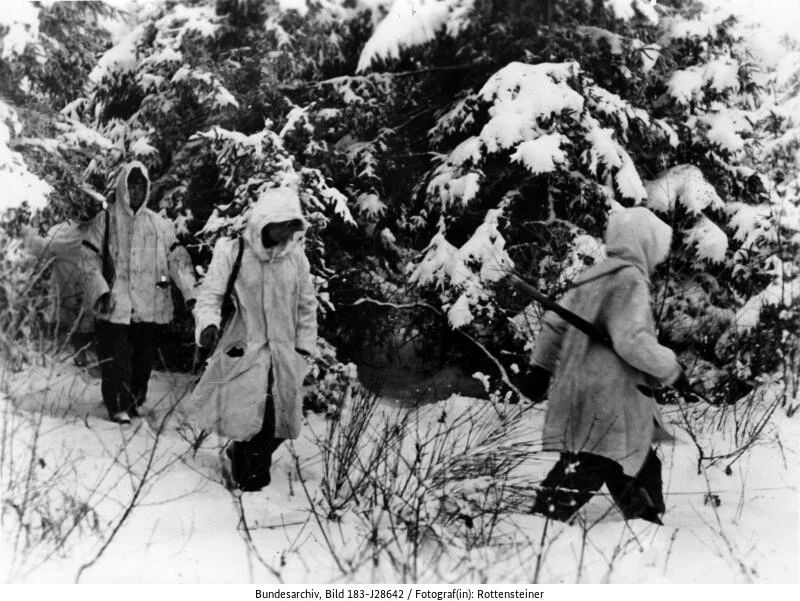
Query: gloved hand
x=104 y=304
x=535 y=383
x=209 y=337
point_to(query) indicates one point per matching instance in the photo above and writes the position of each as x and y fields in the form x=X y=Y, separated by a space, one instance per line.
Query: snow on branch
x=190 y=19
x=611 y=105
x=682 y=28
x=777 y=294
x=724 y=128
x=441 y=262
x=76 y=134
x=141 y=147
x=451 y=188
x=606 y=151
x=521 y=96
x=630 y=9
x=710 y=241
x=685 y=184
x=751 y=224
x=720 y=74
x=412 y=23
x=297 y=117
x=120 y=58
x=301 y=6
x=252 y=142
x=460 y=116
x=459 y=313
x=165 y=63
x=538 y=90
x=334 y=198
x=527 y=103
x=603 y=149
x=370 y=206
x=468 y=151
x=481 y=260
x=361 y=89
x=18 y=184
x=271 y=165
x=541 y=155
x=22 y=30
x=627 y=178
x=486 y=247
x=684 y=85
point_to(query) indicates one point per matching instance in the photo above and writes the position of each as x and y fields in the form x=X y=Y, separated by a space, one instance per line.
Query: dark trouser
x=251 y=459
x=576 y=477
x=81 y=344
x=126 y=353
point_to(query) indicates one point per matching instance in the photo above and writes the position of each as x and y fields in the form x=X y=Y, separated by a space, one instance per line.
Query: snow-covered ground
x=185 y=526
x=102 y=503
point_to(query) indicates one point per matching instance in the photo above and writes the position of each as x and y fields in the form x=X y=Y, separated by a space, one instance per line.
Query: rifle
x=571 y=318
x=596 y=334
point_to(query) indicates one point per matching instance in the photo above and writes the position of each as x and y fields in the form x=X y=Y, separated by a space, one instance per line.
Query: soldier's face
x=276 y=232
x=137 y=190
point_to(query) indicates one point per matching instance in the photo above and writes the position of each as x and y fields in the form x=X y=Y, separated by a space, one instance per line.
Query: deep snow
x=186 y=527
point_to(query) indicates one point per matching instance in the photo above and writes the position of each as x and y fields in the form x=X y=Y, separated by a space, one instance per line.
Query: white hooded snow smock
x=144 y=250
x=594 y=403
x=62 y=246
x=275 y=304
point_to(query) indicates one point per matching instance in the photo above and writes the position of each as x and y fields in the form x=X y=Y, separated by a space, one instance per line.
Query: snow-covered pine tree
x=658 y=110
x=444 y=142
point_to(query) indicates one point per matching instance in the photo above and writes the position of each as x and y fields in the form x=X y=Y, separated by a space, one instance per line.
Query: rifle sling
x=227 y=298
